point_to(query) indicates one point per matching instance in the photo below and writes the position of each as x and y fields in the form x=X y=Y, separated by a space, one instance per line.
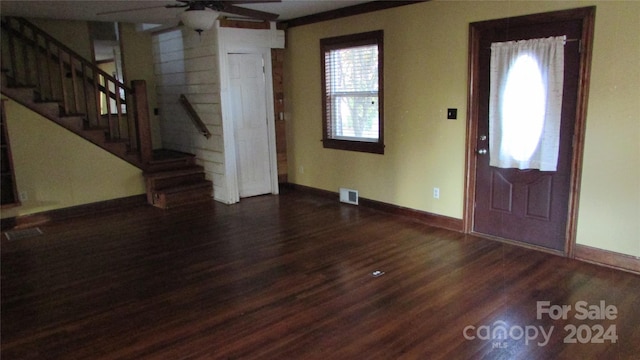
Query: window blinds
x=352 y=93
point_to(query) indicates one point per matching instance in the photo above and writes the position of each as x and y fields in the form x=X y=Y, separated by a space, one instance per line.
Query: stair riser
x=75 y=124
x=159 y=184
x=171 y=164
x=195 y=169
x=170 y=200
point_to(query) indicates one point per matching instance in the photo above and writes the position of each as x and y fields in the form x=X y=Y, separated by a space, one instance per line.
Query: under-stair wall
x=57 y=169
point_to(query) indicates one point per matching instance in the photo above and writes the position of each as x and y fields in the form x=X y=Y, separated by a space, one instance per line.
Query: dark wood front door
x=529 y=206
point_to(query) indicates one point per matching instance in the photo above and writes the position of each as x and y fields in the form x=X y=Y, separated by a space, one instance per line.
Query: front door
x=249 y=111
x=526 y=205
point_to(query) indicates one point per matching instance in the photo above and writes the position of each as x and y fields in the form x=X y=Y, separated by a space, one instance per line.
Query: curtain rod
x=566 y=41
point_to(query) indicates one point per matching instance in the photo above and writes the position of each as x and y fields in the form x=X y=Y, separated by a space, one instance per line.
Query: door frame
x=587 y=16
x=246 y=41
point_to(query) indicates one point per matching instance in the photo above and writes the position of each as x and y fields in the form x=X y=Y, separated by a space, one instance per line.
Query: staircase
x=52 y=80
x=173 y=179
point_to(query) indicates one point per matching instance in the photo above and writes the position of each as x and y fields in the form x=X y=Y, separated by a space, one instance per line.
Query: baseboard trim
x=428 y=218
x=311 y=190
x=44 y=217
x=607 y=258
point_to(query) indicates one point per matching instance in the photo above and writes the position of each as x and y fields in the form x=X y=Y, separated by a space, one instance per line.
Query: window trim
x=342 y=42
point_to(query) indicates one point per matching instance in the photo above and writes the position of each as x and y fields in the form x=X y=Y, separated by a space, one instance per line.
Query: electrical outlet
x=301 y=169
x=436 y=193
x=24 y=196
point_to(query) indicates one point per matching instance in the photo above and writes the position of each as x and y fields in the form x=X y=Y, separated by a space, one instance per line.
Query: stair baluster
x=57 y=73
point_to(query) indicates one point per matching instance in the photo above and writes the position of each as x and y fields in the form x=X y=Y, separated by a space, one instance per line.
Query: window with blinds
x=352 y=92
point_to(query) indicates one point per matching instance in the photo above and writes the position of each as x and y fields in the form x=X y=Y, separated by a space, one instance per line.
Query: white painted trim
x=228 y=128
x=247 y=41
x=271 y=121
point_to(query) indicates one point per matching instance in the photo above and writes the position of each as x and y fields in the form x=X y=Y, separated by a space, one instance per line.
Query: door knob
x=481 y=151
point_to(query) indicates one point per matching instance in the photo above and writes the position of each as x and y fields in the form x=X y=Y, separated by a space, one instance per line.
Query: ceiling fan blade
x=251 y=1
x=223 y=6
x=127 y=10
x=256 y=14
x=176 y=6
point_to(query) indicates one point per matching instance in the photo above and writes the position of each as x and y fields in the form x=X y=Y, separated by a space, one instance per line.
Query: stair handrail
x=197 y=121
x=114 y=90
x=67 y=50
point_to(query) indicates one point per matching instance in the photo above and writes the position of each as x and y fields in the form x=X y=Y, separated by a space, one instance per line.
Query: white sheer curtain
x=525 y=103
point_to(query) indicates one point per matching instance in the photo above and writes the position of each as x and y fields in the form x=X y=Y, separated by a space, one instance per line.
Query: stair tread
x=186 y=170
x=183 y=188
x=116 y=141
x=169 y=161
x=164 y=156
x=96 y=128
x=47 y=101
x=22 y=86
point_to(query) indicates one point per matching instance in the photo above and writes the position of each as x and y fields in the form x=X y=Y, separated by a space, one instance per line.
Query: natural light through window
x=525 y=103
x=354 y=78
x=523 y=109
x=352 y=96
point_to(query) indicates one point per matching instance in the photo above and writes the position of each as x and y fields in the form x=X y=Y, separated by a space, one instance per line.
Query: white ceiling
x=150 y=11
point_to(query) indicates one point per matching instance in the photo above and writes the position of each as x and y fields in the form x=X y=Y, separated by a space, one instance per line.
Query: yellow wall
x=426 y=62
x=74 y=34
x=137 y=53
x=58 y=169
x=610 y=198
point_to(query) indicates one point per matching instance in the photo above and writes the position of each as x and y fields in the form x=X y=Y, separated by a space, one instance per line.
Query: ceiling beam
x=345 y=12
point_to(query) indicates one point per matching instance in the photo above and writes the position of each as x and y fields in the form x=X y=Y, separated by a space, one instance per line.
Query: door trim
x=587 y=16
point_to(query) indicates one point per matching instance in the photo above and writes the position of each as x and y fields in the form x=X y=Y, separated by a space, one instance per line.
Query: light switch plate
x=452 y=114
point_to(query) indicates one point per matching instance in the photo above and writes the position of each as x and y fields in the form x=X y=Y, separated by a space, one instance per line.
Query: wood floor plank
x=291 y=277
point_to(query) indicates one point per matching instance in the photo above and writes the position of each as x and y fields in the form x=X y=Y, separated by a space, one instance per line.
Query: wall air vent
x=349 y=196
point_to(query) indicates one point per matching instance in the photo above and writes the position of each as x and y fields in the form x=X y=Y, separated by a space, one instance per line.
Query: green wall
x=426 y=72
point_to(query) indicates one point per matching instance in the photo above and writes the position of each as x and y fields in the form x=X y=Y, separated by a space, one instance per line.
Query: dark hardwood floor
x=290 y=277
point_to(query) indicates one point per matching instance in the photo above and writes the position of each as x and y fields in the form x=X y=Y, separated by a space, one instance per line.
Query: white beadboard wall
x=186 y=63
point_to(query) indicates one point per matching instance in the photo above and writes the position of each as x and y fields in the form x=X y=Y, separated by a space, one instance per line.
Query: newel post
x=143 y=120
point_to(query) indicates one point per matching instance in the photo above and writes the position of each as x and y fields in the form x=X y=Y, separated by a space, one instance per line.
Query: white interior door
x=249 y=111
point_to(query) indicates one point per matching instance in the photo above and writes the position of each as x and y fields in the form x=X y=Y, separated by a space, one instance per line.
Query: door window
x=525 y=103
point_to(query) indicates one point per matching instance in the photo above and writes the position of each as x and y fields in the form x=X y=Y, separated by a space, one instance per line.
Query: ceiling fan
x=228 y=7
x=201 y=14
